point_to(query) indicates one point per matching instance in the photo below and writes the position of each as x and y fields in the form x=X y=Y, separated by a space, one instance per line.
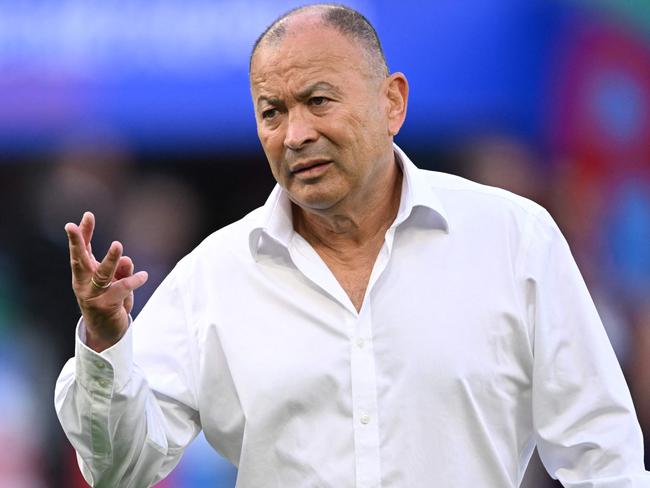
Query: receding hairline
x=341 y=18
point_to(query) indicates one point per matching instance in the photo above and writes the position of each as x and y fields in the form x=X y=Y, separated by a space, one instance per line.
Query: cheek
x=273 y=147
x=271 y=143
x=346 y=130
x=363 y=120
x=274 y=163
x=275 y=172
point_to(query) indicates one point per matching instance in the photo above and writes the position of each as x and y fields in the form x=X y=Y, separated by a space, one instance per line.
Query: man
x=371 y=325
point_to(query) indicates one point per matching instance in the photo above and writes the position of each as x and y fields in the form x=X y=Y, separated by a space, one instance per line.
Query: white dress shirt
x=476 y=341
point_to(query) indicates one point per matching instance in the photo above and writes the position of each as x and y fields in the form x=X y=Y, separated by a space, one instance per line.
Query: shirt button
x=360 y=343
x=365 y=419
x=100 y=365
x=102 y=382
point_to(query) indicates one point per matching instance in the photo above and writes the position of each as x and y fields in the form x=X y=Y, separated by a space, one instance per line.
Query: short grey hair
x=342 y=18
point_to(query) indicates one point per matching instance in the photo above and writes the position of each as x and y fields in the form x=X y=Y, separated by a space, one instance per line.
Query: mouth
x=310 y=169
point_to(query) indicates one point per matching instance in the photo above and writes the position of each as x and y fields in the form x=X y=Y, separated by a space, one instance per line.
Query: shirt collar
x=276 y=221
x=417 y=192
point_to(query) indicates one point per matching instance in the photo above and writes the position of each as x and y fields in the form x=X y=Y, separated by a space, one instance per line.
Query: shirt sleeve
x=588 y=435
x=126 y=431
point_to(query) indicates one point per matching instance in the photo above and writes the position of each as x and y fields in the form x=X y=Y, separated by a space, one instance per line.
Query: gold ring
x=97 y=285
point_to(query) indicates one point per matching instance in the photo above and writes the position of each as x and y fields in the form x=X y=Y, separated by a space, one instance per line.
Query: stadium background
x=140 y=112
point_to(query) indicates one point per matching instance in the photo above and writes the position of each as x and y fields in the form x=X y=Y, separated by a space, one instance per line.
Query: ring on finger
x=99 y=286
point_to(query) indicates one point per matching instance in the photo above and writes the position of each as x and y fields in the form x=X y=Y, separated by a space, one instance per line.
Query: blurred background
x=140 y=112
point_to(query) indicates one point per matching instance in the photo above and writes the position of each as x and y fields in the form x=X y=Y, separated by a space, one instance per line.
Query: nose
x=300 y=129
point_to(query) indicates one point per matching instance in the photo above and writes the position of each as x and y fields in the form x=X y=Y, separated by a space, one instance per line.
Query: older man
x=371 y=325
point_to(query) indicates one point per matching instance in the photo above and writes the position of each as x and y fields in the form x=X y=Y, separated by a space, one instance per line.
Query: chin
x=315 y=202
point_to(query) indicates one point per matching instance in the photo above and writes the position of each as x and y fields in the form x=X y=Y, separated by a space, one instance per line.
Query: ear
x=397 y=92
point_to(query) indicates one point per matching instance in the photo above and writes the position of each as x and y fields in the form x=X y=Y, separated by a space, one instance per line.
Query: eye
x=269 y=113
x=317 y=101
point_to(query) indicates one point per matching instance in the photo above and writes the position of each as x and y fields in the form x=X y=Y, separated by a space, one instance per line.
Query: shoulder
x=491 y=218
x=468 y=200
x=456 y=189
x=226 y=248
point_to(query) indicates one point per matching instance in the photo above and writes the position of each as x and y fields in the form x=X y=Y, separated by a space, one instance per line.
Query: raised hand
x=104 y=290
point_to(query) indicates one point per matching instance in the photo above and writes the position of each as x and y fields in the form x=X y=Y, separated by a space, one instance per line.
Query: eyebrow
x=301 y=95
x=319 y=85
x=275 y=102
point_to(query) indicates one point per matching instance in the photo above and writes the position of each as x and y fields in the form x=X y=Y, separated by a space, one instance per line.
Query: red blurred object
x=600 y=99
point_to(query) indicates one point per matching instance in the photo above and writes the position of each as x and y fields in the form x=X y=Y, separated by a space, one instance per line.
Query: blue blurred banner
x=173 y=74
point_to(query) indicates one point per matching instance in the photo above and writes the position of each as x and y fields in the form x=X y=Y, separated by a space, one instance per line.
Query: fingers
x=87 y=226
x=128 y=303
x=103 y=275
x=124 y=268
x=91 y=276
x=104 y=291
x=124 y=288
x=80 y=261
x=133 y=282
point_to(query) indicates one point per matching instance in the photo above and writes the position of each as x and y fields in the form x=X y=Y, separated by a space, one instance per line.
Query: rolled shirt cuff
x=108 y=371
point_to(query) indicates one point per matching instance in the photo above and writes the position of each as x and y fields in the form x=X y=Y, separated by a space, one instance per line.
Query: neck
x=354 y=225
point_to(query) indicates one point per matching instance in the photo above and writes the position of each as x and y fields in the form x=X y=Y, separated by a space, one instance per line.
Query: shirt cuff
x=106 y=372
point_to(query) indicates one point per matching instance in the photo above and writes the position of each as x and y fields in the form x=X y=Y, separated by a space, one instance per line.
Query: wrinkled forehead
x=305 y=49
x=293 y=71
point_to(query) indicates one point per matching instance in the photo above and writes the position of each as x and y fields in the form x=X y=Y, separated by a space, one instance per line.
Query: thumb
x=127 y=284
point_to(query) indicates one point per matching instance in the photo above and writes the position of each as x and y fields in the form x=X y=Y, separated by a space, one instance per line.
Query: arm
x=125 y=432
x=587 y=432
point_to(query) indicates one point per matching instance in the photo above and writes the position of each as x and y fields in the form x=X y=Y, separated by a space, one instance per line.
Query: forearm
x=587 y=432
x=115 y=421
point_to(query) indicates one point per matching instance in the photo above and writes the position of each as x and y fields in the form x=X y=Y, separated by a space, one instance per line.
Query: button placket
x=364 y=402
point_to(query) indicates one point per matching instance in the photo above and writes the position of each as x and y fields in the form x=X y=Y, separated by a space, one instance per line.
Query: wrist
x=100 y=341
